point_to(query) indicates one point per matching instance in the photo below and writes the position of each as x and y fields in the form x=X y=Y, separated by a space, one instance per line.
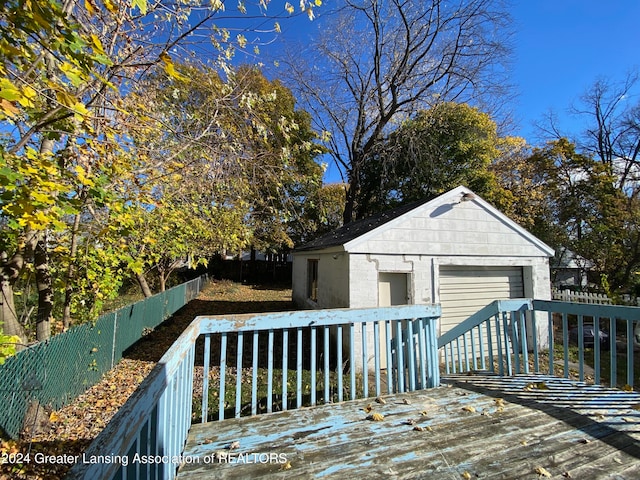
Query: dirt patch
x=72 y=428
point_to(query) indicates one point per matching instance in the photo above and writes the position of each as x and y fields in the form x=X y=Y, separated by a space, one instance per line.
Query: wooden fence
x=581 y=297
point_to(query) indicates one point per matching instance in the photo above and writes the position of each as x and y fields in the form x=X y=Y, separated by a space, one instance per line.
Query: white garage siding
x=466 y=289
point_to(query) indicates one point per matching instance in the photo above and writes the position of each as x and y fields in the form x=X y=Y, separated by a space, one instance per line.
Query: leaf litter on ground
x=72 y=428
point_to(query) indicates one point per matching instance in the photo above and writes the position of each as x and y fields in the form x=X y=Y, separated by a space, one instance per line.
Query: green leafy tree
x=597 y=176
x=574 y=204
x=438 y=149
x=231 y=170
x=67 y=164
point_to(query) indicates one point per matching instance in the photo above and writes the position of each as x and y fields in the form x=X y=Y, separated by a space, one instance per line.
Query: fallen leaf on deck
x=584 y=441
x=617 y=460
x=536 y=386
x=368 y=408
x=469 y=408
x=629 y=419
x=419 y=428
x=543 y=472
x=566 y=475
x=627 y=388
x=285 y=466
x=54 y=417
x=499 y=402
x=406 y=401
x=409 y=421
x=234 y=445
x=376 y=417
x=381 y=401
x=423 y=413
x=466 y=475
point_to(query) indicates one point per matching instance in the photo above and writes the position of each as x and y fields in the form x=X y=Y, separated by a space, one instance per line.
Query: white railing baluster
x=433 y=362
x=629 y=354
x=483 y=363
x=388 y=347
x=223 y=375
x=473 y=348
x=299 y=368
x=534 y=336
x=487 y=325
x=339 y=358
x=565 y=342
x=327 y=378
x=425 y=362
x=412 y=357
x=596 y=350
x=581 y=348
x=239 y=349
x=523 y=341
x=376 y=356
x=352 y=359
x=254 y=375
x=285 y=367
x=500 y=349
x=270 y=372
x=365 y=363
x=314 y=367
x=613 y=379
x=508 y=342
x=205 y=377
x=399 y=356
x=552 y=340
x=516 y=341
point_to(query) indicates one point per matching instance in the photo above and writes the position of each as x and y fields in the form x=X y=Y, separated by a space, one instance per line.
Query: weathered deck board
x=570 y=429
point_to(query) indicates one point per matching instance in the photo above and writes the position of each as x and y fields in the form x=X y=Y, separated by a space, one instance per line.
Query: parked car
x=588 y=334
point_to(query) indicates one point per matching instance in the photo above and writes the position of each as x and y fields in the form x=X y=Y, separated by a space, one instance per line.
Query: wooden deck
x=474 y=426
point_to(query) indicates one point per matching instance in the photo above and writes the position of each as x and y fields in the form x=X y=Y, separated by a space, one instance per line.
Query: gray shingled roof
x=353 y=230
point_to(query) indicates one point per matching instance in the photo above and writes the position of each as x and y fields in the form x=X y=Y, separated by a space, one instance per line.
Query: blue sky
x=561 y=47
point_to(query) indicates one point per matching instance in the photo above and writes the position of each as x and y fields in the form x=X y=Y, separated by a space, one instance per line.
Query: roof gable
x=356 y=229
x=457 y=222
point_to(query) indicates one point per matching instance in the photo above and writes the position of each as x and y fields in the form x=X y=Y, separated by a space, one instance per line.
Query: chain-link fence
x=58 y=370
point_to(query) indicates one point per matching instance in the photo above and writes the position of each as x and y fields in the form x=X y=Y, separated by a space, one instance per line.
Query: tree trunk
x=68 y=291
x=144 y=286
x=9 y=272
x=162 y=279
x=349 y=207
x=8 y=315
x=45 y=289
x=350 y=213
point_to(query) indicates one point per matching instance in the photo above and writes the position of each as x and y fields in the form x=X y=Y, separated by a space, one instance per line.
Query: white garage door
x=466 y=289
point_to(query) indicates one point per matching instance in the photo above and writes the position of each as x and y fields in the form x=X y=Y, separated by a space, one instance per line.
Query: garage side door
x=465 y=290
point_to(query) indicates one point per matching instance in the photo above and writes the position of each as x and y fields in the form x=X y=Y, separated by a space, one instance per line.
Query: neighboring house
x=456 y=250
x=570 y=271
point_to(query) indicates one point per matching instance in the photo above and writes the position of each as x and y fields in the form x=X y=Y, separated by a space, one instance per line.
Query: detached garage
x=456 y=250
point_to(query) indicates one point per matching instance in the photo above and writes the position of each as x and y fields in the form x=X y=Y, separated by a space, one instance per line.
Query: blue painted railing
x=146 y=437
x=508 y=336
